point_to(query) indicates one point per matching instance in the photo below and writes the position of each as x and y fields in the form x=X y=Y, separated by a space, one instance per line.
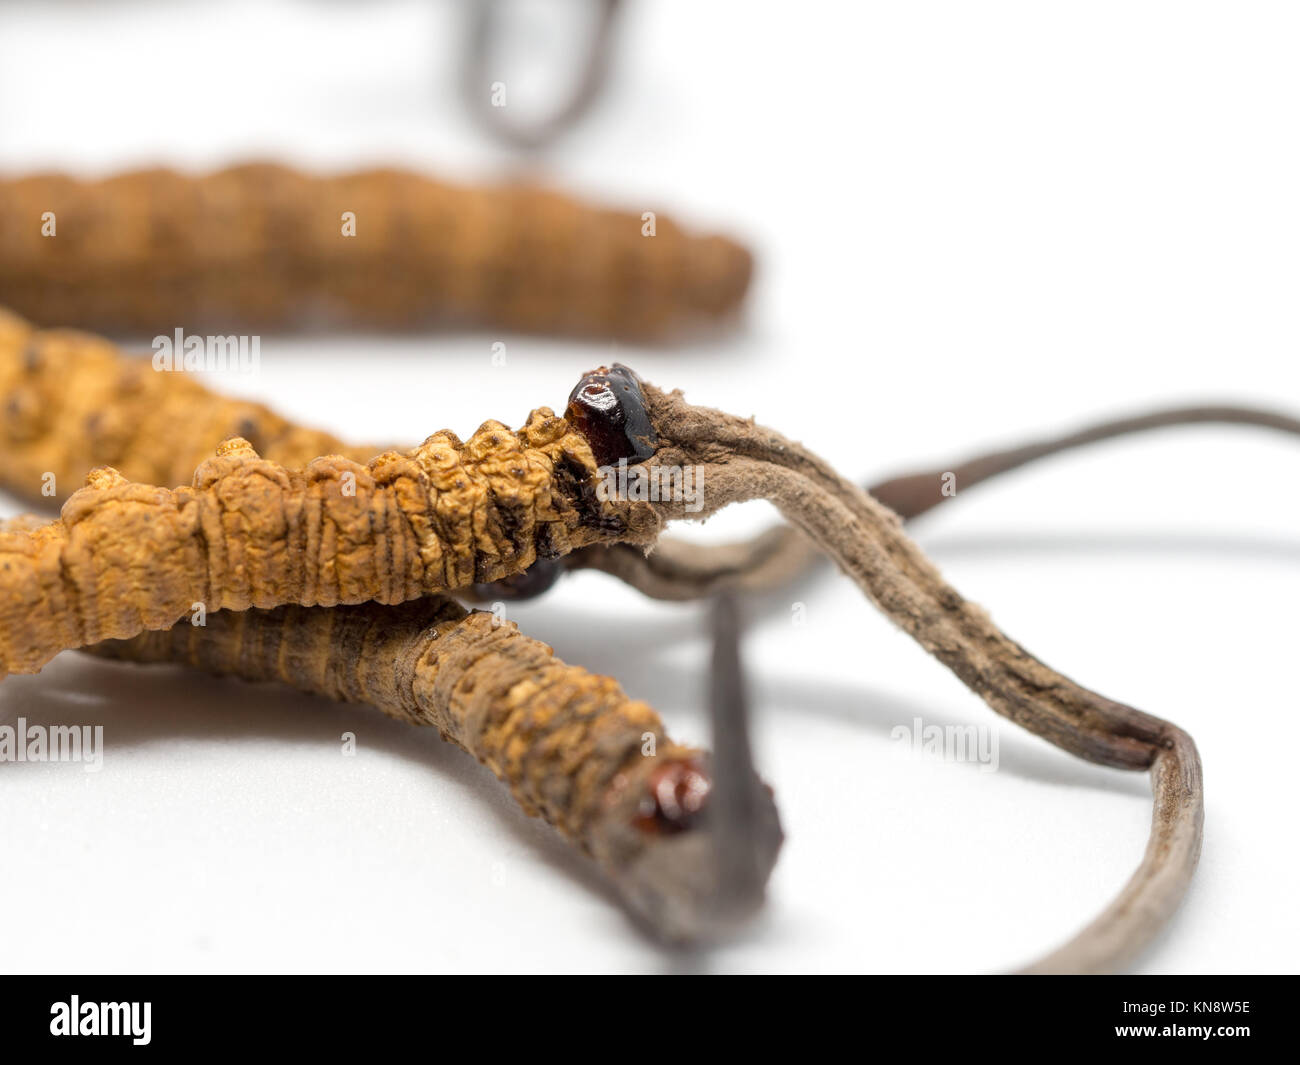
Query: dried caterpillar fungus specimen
x=261 y=244
x=253 y=534
x=570 y=744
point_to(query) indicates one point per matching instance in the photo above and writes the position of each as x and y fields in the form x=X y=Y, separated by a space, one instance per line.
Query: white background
x=974 y=222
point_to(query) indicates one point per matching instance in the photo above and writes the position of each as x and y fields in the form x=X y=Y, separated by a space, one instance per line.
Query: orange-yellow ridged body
x=127 y=557
x=564 y=740
x=72 y=401
x=261 y=244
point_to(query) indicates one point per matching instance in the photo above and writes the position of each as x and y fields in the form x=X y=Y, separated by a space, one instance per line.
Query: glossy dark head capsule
x=609 y=409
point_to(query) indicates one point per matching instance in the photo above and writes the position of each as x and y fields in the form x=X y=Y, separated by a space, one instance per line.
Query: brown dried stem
x=680 y=570
x=1141 y=909
x=737 y=460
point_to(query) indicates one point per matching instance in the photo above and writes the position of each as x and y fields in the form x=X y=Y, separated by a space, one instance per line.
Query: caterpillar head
x=608 y=408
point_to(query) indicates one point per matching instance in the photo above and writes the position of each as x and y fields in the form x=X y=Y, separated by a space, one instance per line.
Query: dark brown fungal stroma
x=741 y=460
x=677 y=570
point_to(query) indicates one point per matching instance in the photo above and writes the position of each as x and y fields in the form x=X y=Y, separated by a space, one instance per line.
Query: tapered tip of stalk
x=703 y=881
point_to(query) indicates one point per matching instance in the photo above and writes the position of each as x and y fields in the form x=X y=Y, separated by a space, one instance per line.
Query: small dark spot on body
x=544 y=541
x=538 y=578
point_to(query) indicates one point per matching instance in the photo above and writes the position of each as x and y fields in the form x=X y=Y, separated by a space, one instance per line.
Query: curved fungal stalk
x=261 y=244
x=572 y=747
x=127 y=557
x=738 y=460
x=1119 y=933
x=741 y=824
x=678 y=570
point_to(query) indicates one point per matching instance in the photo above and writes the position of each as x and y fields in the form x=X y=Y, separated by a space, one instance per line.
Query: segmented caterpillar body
x=571 y=745
x=154 y=428
x=126 y=557
x=558 y=735
x=262 y=244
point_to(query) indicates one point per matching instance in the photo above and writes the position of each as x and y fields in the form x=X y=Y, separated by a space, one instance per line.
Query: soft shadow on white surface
x=1273 y=550
x=160 y=706
x=867 y=706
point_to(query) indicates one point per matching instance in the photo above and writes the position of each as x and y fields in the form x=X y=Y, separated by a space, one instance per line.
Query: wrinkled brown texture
x=127 y=557
x=71 y=401
x=571 y=745
x=157 y=427
x=741 y=460
x=567 y=742
x=775 y=557
x=261 y=244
